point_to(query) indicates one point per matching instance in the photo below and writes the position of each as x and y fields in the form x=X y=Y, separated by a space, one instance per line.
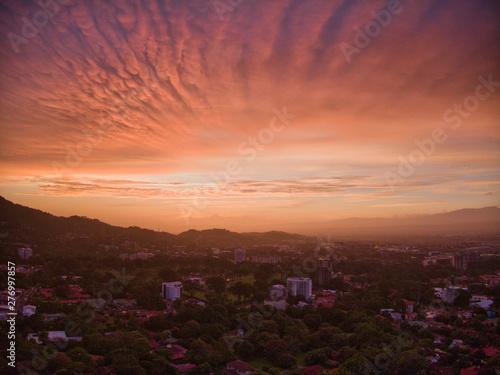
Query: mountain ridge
x=466 y=220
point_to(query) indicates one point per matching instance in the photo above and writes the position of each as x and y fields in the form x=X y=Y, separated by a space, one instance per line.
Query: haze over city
x=258 y=116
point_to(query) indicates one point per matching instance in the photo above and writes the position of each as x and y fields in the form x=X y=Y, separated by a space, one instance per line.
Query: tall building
x=239 y=255
x=299 y=285
x=25 y=252
x=464 y=260
x=171 y=291
x=324 y=275
x=325 y=262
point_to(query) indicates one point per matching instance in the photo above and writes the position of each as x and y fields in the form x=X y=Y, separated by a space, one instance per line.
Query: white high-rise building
x=171 y=291
x=239 y=255
x=299 y=285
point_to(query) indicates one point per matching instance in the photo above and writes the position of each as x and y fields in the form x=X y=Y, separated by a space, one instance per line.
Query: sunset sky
x=185 y=114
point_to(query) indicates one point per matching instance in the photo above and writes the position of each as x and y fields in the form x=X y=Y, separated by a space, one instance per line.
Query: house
x=194 y=301
x=396 y=316
x=239 y=367
x=411 y=317
x=278 y=292
x=433 y=314
x=52 y=336
x=481 y=301
x=51 y=317
x=409 y=306
x=439 y=340
x=491 y=351
x=29 y=310
x=177 y=349
x=490 y=280
x=177 y=356
x=469 y=371
x=456 y=343
x=433 y=359
x=465 y=314
x=185 y=367
x=434 y=324
x=386 y=311
x=325 y=298
x=236 y=332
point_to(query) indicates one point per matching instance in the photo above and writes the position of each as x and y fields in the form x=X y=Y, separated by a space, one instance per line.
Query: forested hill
x=29 y=225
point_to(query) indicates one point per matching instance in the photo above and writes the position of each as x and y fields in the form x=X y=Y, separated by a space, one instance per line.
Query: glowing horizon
x=178 y=115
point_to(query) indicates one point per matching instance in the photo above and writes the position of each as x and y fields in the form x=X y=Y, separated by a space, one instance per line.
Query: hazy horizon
x=356 y=225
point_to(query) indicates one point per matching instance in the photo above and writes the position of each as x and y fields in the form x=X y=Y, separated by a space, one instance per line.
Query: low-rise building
x=490 y=280
x=481 y=301
x=171 y=291
x=299 y=285
x=278 y=292
x=53 y=336
x=29 y=310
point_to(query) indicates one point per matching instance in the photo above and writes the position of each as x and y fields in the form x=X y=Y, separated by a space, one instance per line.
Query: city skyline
x=254 y=116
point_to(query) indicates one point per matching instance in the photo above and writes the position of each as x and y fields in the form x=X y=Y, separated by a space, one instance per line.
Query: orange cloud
x=162 y=94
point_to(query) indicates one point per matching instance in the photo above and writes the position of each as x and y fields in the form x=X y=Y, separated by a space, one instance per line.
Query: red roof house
x=241 y=368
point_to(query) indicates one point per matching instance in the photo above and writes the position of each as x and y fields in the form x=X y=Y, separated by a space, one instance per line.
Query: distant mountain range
x=23 y=223
x=464 y=221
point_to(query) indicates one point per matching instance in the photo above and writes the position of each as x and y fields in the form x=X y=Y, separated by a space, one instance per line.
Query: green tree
x=199 y=351
x=216 y=283
x=317 y=357
x=191 y=330
x=241 y=289
x=411 y=363
x=312 y=321
x=79 y=354
x=244 y=349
